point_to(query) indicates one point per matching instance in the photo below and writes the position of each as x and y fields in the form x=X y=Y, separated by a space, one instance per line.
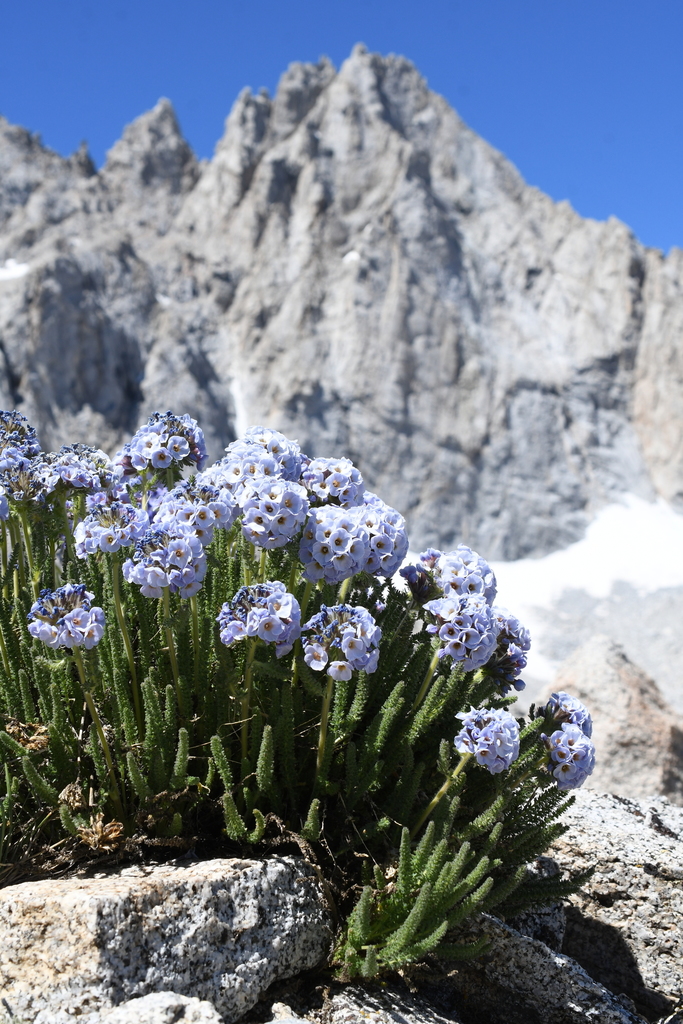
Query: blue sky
x=585 y=97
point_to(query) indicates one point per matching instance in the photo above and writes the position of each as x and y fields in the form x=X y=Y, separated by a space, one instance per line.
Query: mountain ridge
x=356 y=267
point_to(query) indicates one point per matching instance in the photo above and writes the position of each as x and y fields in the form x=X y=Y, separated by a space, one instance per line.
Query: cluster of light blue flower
x=66 y=617
x=491 y=735
x=164 y=440
x=266 y=611
x=458 y=588
x=110 y=527
x=172 y=558
x=333 y=481
x=274 y=513
x=343 y=639
x=571 y=749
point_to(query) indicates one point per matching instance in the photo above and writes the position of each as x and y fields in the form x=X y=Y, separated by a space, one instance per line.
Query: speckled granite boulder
x=383 y=1003
x=520 y=980
x=220 y=930
x=157 y=1008
x=626 y=925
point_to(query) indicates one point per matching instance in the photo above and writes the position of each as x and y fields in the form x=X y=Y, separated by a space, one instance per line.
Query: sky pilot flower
x=572 y=756
x=343 y=639
x=265 y=610
x=491 y=735
x=66 y=618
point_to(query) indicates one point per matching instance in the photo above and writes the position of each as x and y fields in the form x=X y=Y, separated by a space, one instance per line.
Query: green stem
x=53 y=562
x=464 y=758
x=123 y=626
x=68 y=535
x=115 y=795
x=344 y=589
x=427 y=680
x=308 y=590
x=292 y=576
x=3 y=548
x=16 y=543
x=166 y=604
x=246 y=699
x=5 y=658
x=327 y=700
x=195 y=639
x=542 y=761
x=26 y=530
x=262 y=566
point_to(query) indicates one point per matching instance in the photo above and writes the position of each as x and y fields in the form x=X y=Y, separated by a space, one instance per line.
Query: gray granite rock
x=626 y=925
x=156 y=1008
x=358 y=268
x=547 y=924
x=220 y=930
x=520 y=979
x=381 y=1006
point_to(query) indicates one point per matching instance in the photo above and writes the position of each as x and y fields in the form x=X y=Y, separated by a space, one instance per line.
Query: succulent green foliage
x=164 y=729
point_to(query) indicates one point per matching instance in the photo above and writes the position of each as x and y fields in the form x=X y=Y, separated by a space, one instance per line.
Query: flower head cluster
x=18 y=439
x=274 y=513
x=25 y=482
x=165 y=440
x=166 y=557
x=198 y=503
x=110 y=527
x=287 y=454
x=467 y=627
x=572 y=755
x=333 y=481
x=462 y=572
x=66 y=618
x=343 y=639
x=491 y=735
x=565 y=708
x=509 y=658
x=77 y=466
x=243 y=471
x=387 y=532
x=335 y=544
x=267 y=611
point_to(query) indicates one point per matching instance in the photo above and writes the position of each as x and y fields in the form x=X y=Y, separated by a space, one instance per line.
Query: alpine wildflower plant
x=224 y=654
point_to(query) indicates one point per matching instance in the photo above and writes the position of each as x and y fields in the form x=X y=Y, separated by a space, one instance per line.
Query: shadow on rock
x=603 y=953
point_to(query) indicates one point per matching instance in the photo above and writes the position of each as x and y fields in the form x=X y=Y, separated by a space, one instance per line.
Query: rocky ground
x=230 y=941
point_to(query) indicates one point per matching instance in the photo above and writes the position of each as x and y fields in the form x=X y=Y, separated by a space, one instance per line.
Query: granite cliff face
x=359 y=269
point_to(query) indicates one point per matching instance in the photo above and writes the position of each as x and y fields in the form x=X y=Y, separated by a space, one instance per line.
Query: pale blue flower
x=467 y=627
x=342 y=630
x=565 y=708
x=66 y=618
x=333 y=481
x=572 y=756
x=491 y=735
x=265 y=610
x=335 y=544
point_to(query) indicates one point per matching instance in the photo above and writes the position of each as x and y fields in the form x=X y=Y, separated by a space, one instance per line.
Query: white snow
x=12 y=270
x=351 y=257
x=633 y=541
x=636 y=541
x=163 y=300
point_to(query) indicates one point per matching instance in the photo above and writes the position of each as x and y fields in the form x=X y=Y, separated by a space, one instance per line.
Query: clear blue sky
x=584 y=96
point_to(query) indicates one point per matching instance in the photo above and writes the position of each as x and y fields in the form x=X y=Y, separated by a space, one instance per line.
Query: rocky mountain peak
x=357 y=268
x=152 y=152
